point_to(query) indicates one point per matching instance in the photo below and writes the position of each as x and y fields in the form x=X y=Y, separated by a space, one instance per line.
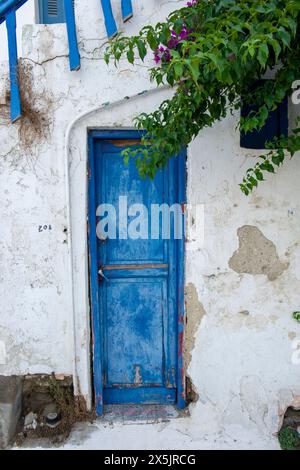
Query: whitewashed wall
x=241 y=354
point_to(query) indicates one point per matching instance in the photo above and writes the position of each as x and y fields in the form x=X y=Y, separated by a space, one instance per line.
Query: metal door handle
x=101 y=273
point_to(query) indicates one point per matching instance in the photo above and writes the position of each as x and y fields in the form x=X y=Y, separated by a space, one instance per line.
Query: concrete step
x=10 y=408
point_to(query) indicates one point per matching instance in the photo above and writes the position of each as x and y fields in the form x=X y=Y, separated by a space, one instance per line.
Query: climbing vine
x=212 y=52
x=296 y=316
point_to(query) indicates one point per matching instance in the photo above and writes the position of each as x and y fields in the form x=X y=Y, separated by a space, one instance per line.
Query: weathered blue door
x=136 y=275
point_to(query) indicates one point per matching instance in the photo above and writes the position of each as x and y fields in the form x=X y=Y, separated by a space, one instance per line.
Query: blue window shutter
x=126 y=10
x=51 y=11
x=276 y=126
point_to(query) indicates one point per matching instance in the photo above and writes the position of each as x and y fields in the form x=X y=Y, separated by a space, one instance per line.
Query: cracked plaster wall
x=240 y=330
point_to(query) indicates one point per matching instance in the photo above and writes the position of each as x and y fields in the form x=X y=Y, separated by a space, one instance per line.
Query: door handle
x=102 y=275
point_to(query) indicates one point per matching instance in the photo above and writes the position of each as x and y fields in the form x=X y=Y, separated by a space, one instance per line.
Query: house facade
x=237 y=282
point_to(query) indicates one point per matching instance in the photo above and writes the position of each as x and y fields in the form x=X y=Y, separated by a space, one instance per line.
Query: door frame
x=117 y=134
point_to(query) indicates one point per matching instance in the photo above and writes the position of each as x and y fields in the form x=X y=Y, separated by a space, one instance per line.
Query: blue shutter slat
x=110 y=23
x=51 y=11
x=15 y=100
x=284 y=118
x=127 y=11
x=74 y=56
x=275 y=126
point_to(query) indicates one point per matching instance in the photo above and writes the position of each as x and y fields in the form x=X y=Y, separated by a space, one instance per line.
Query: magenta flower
x=163 y=54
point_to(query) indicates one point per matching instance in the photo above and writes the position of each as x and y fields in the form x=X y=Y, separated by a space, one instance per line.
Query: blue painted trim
x=141 y=395
x=181 y=187
x=74 y=56
x=15 y=100
x=283 y=115
x=181 y=392
x=9 y=5
x=116 y=134
x=276 y=124
x=94 y=288
x=135 y=273
x=127 y=11
x=46 y=18
x=110 y=24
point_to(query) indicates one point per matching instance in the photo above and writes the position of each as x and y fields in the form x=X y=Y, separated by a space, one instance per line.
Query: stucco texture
x=242 y=282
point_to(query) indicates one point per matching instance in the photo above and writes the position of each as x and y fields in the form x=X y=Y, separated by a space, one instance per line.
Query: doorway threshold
x=146 y=414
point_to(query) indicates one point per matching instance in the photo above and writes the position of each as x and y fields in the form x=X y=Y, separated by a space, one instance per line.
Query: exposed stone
x=287 y=401
x=194 y=314
x=190 y=392
x=256 y=254
x=10 y=408
x=291 y=418
x=30 y=421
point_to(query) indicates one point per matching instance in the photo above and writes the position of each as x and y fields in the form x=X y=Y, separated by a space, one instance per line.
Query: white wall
x=241 y=363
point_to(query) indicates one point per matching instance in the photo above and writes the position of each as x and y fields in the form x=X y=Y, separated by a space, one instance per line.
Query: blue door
x=136 y=262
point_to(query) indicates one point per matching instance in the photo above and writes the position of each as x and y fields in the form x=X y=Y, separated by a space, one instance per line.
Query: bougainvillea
x=212 y=52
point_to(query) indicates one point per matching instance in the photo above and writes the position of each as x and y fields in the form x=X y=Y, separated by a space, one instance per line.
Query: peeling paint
x=256 y=254
x=248 y=329
x=138 y=380
x=287 y=399
x=190 y=391
x=194 y=315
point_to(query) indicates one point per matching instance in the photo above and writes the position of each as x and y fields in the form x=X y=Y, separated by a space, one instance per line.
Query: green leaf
x=152 y=41
x=130 y=56
x=194 y=68
x=276 y=47
x=259 y=175
x=284 y=36
x=296 y=316
x=178 y=68
x=267 y=166
x=263 y=54
x=142 y=49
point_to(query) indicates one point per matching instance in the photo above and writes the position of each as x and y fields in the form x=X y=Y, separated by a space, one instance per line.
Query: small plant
x=296 y=316
x=63 y=397
x=288 y=439
x=73 y=408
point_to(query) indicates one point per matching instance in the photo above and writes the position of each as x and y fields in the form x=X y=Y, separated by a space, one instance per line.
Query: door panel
x=138 y=292
x=121 y=180
x=135 y=338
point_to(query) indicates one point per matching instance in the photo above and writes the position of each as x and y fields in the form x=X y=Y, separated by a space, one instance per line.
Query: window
x=51 y=11
x=276 y=126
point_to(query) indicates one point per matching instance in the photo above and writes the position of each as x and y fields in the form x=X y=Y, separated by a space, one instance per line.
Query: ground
x=169 y=430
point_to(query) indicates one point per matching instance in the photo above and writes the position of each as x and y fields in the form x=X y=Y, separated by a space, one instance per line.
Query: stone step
x=10 y=408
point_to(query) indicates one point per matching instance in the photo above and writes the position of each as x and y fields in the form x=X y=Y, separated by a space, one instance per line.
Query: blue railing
x=8 y=14
x=110 y=23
